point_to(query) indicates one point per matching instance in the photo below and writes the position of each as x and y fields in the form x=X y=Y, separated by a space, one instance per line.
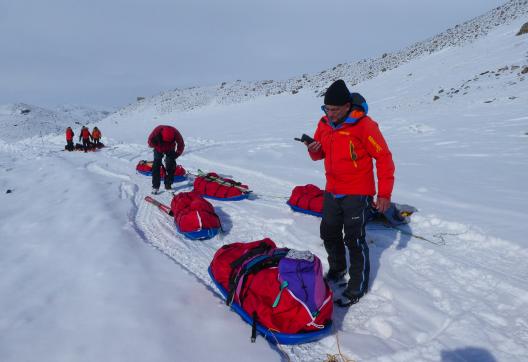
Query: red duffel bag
x=194 y=216
x=307 y=199
x=144 y=167
x=278 y=290
x=212 y=186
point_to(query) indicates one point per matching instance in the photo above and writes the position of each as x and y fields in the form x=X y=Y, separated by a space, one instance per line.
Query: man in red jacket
x=348 y=141
x=69 y=139
x=85 y=136
x=164 y=140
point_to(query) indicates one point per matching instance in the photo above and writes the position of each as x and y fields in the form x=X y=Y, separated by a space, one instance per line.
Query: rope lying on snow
x=339 y=355
x=281 y=350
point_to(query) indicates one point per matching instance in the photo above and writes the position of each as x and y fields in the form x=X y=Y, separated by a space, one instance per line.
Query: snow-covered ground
x=91 y=272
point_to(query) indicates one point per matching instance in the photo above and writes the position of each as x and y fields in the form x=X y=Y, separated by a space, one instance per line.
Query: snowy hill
x=19 y=121
x=82 y=281
x=353 y=73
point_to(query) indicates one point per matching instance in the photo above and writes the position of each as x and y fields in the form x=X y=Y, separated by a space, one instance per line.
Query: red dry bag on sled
x=194 y=216
x=307 y=199
x=215 y=187
x=280 y=292
x=145 y=168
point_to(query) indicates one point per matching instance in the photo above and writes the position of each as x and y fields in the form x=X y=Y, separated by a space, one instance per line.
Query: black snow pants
x=170 y=166
x=86 y=144
x=348 y=212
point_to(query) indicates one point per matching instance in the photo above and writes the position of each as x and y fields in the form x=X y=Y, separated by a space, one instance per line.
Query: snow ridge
x=353 y=73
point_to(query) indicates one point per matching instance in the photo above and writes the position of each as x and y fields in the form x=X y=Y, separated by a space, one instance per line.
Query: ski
x=223 y=182
x=166 y=209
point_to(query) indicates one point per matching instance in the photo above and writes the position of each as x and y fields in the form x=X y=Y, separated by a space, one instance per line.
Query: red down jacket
x=156 y=141
x=348 y=153
x=204 y=185
x=309 y=197
x=193 y=213
x=261 y=289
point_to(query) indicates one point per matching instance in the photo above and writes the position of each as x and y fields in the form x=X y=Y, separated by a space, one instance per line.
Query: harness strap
x=256 y=265
x=233 y=276
x=254 y=328
x=277 y=299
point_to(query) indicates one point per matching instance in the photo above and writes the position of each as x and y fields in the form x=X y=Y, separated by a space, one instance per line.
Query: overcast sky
x=106 y=52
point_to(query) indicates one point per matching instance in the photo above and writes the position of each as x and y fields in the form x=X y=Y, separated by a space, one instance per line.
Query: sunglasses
x=327 y=109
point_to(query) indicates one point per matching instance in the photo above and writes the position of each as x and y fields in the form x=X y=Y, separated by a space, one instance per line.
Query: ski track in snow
x=477 y=292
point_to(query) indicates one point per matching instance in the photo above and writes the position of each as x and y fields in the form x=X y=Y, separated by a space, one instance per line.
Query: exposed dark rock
x=523 y=30
x=435 y=98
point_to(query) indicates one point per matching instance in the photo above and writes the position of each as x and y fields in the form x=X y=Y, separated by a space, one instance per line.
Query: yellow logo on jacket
x=375 y=144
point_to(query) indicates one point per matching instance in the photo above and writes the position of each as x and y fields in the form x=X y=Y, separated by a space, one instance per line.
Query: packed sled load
x=213 y=186
x=279 y=291
x=144 y=167
x=194 y=216
x=307 y=199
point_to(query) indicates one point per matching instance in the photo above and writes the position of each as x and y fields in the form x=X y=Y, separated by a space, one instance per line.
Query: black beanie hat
x=337 y=94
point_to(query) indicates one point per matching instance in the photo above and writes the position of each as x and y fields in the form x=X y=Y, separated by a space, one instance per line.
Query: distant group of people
x=348 y=141
x=89 y=140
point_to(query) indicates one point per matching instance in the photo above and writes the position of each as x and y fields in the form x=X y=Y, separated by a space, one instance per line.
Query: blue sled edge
x=176 y=178
x=304 y=211
x=203 y=234
x=234 y=198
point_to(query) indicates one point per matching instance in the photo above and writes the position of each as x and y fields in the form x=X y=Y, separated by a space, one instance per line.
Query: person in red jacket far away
x=348 y=140
x=166 y=141
x=69 y=139
x=85 y=136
